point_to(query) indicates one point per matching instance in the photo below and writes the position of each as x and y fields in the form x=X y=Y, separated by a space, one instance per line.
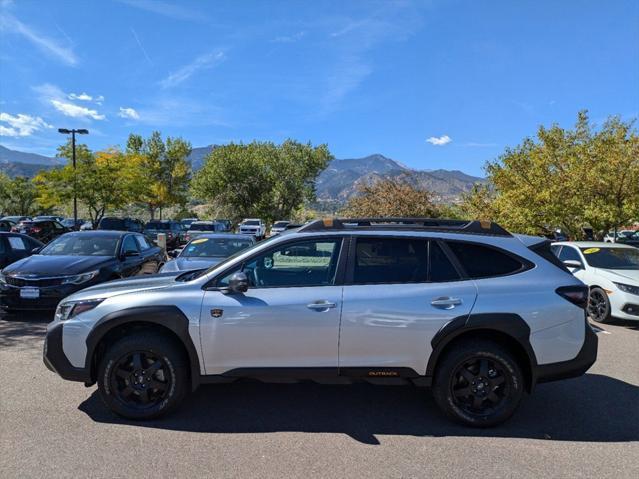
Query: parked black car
x=14 y=246
x=172 y=230
x=73 y=262
x=6 y=225
x=120 y=224
x=42 y=230
x=631 y=239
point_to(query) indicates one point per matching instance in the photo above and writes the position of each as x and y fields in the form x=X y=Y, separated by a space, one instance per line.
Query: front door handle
x=446 y=302
x=321 y=305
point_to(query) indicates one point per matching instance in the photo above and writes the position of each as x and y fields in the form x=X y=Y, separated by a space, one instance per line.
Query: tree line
x=567 y=178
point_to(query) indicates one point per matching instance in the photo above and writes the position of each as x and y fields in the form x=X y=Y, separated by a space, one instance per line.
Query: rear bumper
x=56 y=361
x=574 y=367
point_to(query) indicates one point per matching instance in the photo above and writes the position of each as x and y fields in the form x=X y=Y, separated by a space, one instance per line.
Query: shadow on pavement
x=21 y=329
x=590 y=408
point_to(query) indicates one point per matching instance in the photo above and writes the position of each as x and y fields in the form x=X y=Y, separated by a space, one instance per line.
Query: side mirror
x=573 y=263
x=238 y=283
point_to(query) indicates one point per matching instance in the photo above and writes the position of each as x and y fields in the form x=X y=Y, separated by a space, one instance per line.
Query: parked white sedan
x=612 y=272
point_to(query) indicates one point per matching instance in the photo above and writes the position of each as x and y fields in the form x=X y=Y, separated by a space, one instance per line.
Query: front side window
x=480 y=261
x=142 y=242
x=390 y=260
x=569 y=254
x=129 y=245
x=304 y=263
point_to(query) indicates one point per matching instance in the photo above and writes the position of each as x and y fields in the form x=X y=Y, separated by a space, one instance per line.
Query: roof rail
x=419 y=224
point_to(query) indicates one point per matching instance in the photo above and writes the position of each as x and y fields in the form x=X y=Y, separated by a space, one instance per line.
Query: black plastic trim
x=168 y=316
x=55 y=359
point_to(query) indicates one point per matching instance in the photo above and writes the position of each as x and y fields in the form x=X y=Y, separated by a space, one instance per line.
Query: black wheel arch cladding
x=508 y=324
x=169 y=317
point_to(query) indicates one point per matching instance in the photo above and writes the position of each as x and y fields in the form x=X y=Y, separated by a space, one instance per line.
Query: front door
x=399 y=293
x=288 y=318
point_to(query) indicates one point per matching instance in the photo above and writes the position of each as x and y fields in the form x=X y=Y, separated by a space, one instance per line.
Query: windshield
x=214 y=247
x=158 y=226
x=81 y=245
x=612 y=258
x=202 y=227
x=251 y=223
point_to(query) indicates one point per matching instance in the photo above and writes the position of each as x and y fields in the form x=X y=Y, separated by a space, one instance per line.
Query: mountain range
x=335 y=185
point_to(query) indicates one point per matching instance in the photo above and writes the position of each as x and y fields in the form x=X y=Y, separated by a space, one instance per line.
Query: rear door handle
x=321 y=305
x=445 y=302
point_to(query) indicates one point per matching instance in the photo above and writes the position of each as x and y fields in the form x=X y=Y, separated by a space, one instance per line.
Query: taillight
x=577 y=295
x=35 y=229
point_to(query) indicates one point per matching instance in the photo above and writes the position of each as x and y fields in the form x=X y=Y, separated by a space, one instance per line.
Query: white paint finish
x=270 y=327
x=392 y=325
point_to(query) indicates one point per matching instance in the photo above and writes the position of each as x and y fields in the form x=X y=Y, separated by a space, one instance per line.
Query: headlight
x=69 y=309
x=81 y=278
x=628 y=288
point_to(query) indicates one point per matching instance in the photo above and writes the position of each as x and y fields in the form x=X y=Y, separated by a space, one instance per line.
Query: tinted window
x=441 y=269
x=215 y=247
x=568 y=253
x=306 y=263
x=390 y=260
x=2 y=247
x=129 y=245
x=144 y=244
x=612 y=258
x=481 y=261
x=111 y=224
x=157 y=225
x=81 y=245
x=17 y=243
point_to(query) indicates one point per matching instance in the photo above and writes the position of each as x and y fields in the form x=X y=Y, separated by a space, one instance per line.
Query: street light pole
x=80 y=131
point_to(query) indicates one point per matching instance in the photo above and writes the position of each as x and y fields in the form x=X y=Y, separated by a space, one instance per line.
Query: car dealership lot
x=587 y=427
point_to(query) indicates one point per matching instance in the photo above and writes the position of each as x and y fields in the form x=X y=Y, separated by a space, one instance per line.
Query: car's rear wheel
x=599 y=305
x=478 y=383
x=143 y=376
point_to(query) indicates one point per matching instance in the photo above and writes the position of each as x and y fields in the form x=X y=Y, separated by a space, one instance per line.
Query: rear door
x=399 y=292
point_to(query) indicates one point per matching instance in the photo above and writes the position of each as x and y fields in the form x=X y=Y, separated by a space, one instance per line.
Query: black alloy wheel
x=143 y=375
x=599 y=305
x=479 y=386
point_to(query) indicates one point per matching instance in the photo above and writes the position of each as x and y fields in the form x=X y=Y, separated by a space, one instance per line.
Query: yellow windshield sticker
x=198 y=241
x=591 y=250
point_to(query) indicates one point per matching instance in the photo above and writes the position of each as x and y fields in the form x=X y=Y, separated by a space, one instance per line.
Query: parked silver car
x=477 y=313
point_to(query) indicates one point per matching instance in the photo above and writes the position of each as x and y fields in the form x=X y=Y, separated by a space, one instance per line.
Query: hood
x=188 y=264
x=50 y=265
x=620 y=275
x=129 y=285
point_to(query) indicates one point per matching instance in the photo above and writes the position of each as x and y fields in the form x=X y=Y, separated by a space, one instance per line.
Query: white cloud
x=129 y=113
x=166 y=9
x=439 y=141
x=207 y=60
x=81 y=97
x=48 y=45
x=21 y=124
x=75 y=111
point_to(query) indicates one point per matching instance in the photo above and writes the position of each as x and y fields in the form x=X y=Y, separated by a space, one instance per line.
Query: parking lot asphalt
x=583 y=427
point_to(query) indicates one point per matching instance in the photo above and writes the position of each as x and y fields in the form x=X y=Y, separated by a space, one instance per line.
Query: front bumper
x=48 y=300
x=574 y=367
x=55 y=359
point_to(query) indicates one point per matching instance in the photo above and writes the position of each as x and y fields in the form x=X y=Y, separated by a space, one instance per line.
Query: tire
x=478 y=383
x=599 y=305
x=143 y=376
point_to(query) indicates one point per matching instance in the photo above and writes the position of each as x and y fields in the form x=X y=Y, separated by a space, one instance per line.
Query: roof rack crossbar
x=423 y=224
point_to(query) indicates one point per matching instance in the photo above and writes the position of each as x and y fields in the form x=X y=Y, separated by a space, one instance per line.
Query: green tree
x=391 y=197
x=261 y=179
x=102 y=181
x=163 y=170
x=17 y=196
x=569 y=179
x=478 y=204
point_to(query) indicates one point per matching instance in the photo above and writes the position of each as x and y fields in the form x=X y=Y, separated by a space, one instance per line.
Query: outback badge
x=216 y=313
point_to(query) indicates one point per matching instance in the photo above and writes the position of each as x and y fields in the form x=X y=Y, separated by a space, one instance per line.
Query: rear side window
x=481 y=261
x=390 y=260
x=549 y=252
x=441 y=269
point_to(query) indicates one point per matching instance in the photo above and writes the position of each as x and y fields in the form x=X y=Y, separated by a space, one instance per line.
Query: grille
x=35 y=282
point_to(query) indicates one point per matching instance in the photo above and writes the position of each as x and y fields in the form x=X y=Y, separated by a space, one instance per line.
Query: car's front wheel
x=478 y=383
x=143 y=376
x=599 y=305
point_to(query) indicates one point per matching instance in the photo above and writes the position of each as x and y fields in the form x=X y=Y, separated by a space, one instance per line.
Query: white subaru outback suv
x=465 y=307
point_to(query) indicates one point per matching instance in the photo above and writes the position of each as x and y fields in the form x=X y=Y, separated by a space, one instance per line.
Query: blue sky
x=433 y=84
